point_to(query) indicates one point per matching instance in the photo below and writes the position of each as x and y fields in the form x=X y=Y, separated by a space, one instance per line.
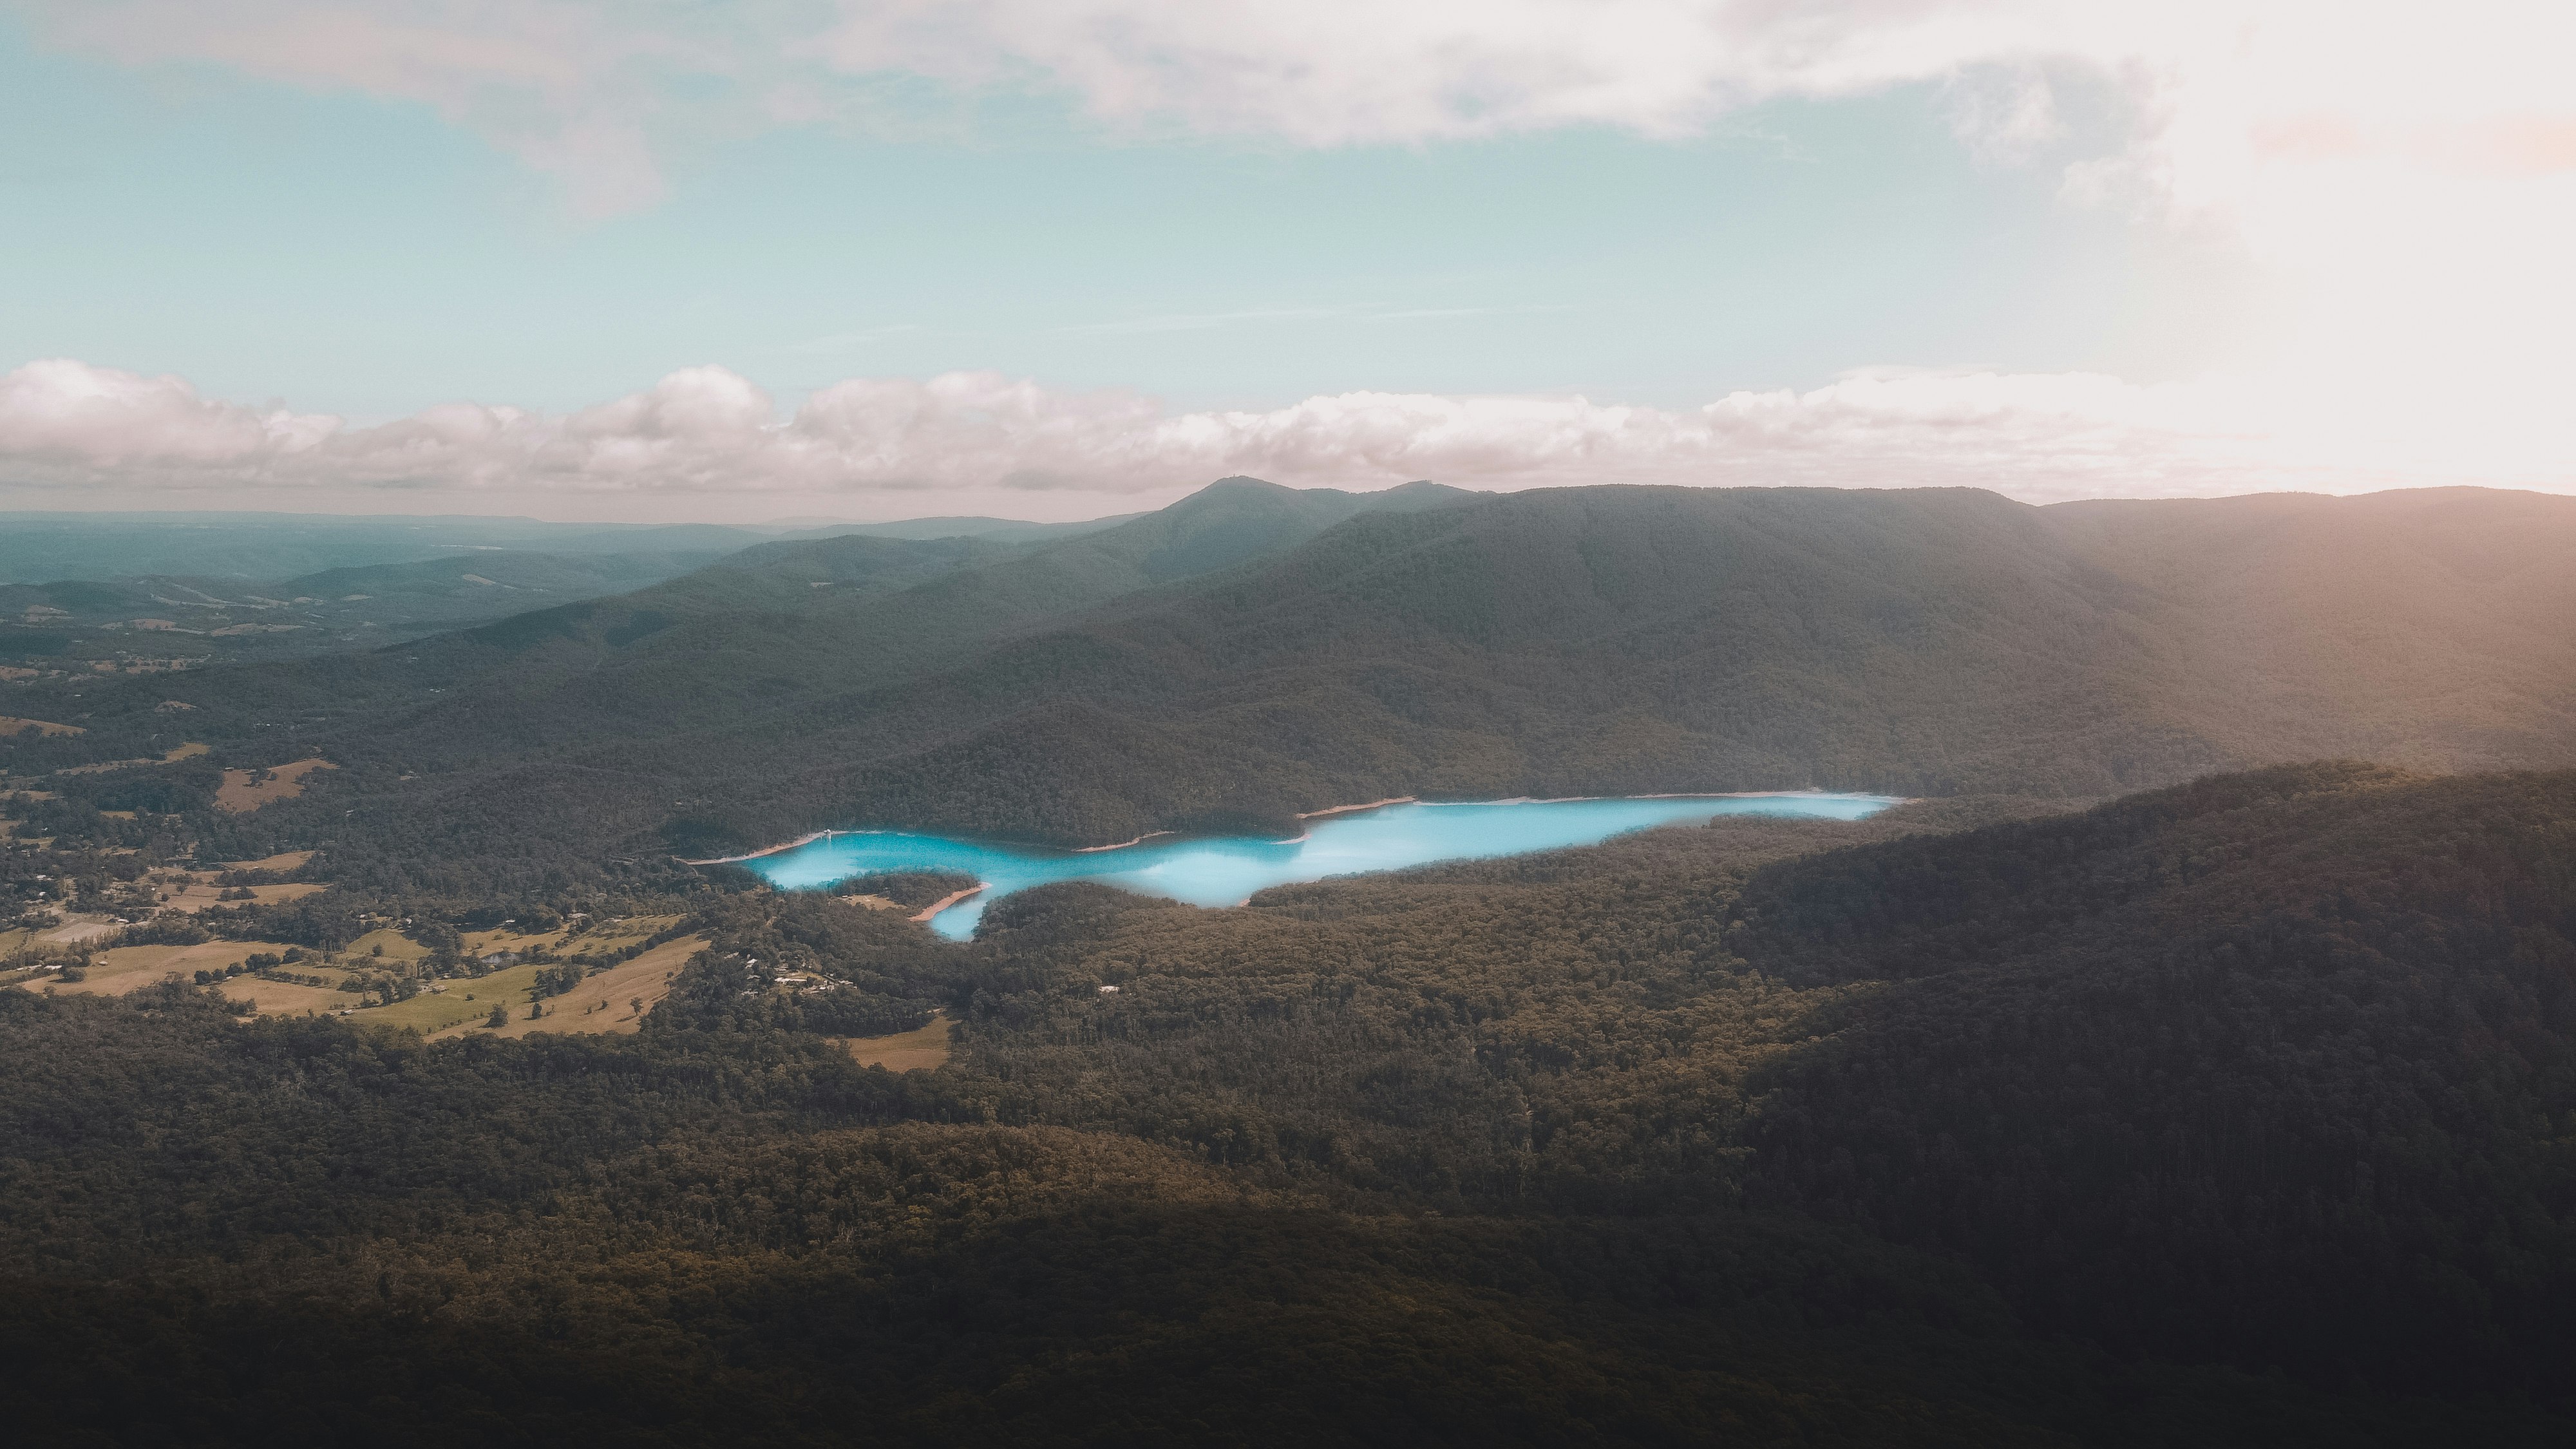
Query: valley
x=1116 y=724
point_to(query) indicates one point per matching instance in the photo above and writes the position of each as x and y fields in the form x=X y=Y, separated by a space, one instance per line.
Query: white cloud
x=1336 y=72
x=706 y=442
x=2226 y=86
x=60 y=413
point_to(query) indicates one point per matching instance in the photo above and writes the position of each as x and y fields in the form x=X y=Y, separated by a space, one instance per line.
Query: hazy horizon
x=150 y=508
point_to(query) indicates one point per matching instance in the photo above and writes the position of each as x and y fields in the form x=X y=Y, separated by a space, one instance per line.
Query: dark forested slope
x=2276 y=1070
x=2237 y=1113
x=2273 y=1068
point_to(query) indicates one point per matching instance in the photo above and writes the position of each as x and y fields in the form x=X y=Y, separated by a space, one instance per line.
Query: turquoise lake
x=1225 y=870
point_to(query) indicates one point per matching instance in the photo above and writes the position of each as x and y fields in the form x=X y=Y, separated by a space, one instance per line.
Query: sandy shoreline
x=1348 y=809
x=1122 y=845
x=1892 y=800
x=925 y=913
x=798 y=842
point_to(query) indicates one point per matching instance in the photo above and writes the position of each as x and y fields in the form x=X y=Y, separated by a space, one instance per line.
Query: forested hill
x=2268 y=1068
x=2238 y=1113
x=1255 y=651
x=1615 y=640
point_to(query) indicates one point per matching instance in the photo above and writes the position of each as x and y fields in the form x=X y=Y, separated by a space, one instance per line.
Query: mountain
x=38 y=548
x=1638 y=640
x=992 y=530
x=1255 y=651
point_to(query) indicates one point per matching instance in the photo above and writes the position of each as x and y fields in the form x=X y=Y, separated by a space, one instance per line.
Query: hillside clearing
x=286 y=998
x=604 y=1003
x=131 y=968
x=923 y=1049
x=240 y=793
x=284 y=860
x=200 y=892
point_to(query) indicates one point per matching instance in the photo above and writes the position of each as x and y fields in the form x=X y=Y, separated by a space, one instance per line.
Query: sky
x=672 y=259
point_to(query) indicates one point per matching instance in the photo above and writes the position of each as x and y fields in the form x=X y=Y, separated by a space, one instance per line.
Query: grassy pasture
x=482 y=943
x=130 y=968
x=198 y=894
x=456 y=1005
x=606 y=936
x=922 y=1049
x=282 y=861
x=601 y=1003
x=238 y=795
x=396 y=947
x=77 y=928
x=285 y=998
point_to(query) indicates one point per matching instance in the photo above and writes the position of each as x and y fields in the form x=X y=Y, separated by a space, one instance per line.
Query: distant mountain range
x=43 y=548
x=1254 y=651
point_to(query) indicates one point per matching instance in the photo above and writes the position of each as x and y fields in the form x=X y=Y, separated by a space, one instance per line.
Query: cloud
x=1341 y=72
x=60 y=413
x=2221 y=88
x=707 y=442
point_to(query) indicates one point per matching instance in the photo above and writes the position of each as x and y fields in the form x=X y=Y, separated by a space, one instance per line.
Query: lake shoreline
x=922 y=916
x=1220 y=871
x=810 y=837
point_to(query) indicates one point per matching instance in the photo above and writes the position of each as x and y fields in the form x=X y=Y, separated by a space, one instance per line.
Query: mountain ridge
x=1254 y=651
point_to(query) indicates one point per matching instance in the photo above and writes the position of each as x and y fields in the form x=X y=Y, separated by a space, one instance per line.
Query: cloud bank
x=706 y=442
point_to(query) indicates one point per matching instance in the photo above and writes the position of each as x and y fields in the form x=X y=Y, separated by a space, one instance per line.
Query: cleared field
x=131 y=968
x=196 y=895
x=284 y=860
x=482 y=943
x=77 y=928
x=284 y=998
x=458 y=1004
x=609 y=935
x=601 y=1003
x=12 y=725
x=921 y=1050
x=395 y=945
x=237 y=794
